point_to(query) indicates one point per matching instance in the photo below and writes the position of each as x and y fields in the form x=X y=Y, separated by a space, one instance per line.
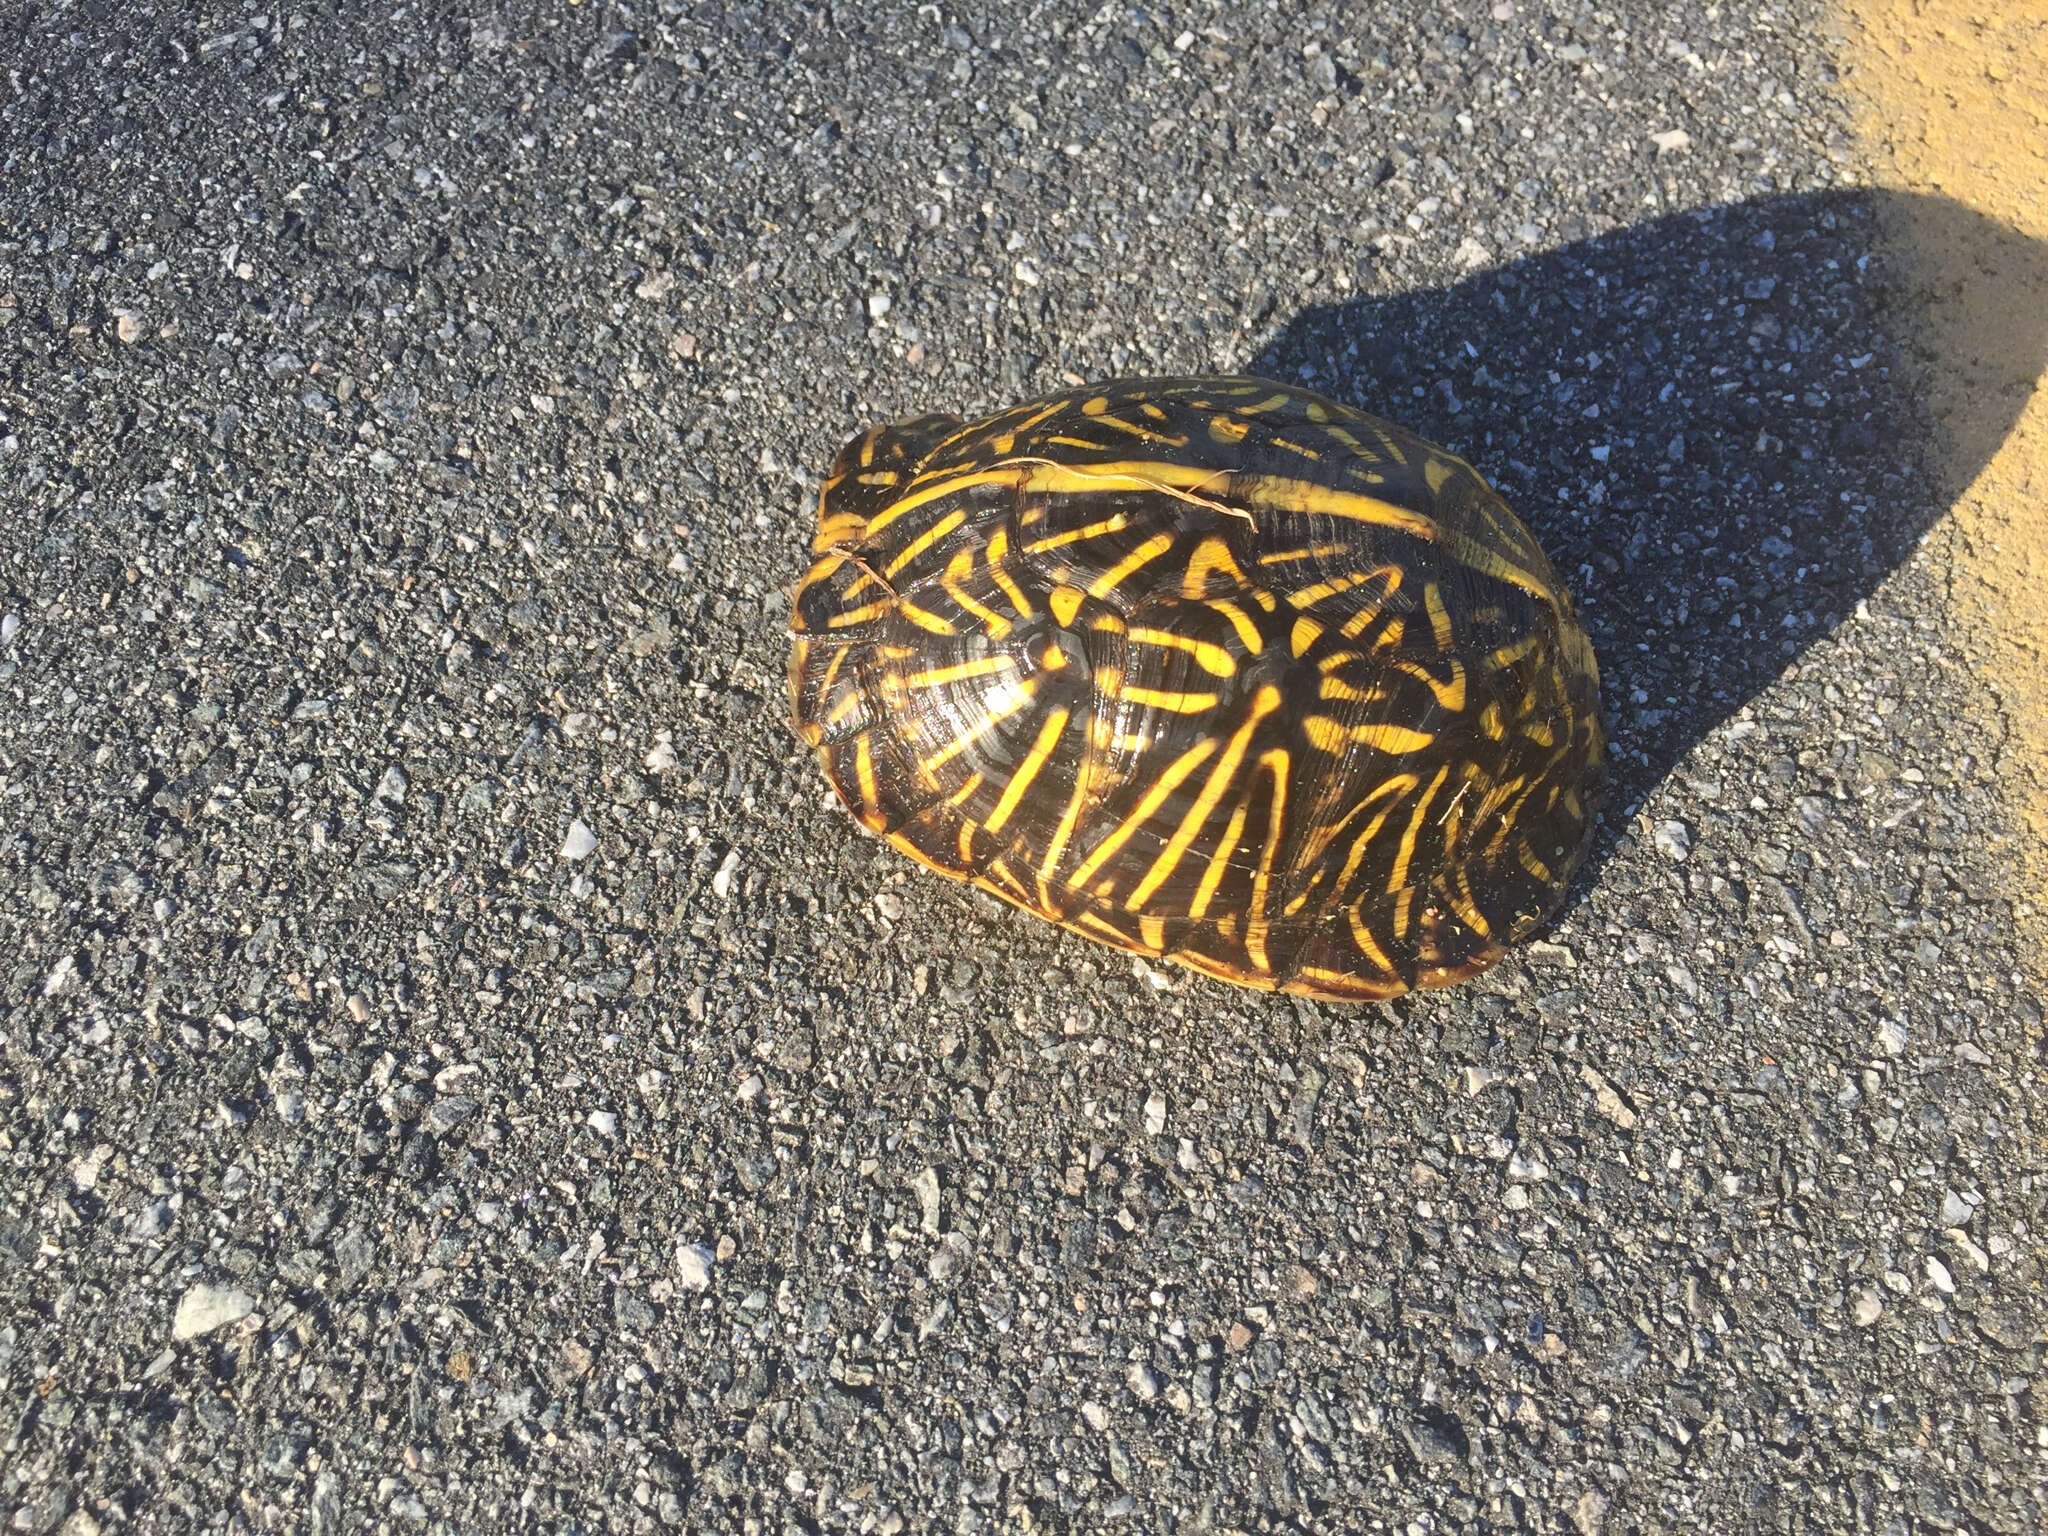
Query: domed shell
x=1209 y=669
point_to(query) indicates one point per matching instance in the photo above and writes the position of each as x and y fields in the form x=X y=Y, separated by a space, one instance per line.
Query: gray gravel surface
x=460 y=1073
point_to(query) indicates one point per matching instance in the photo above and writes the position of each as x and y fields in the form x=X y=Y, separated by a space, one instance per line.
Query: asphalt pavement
x=462 y=1073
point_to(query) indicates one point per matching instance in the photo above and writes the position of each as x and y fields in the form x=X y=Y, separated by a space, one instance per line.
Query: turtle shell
x=1211 y=669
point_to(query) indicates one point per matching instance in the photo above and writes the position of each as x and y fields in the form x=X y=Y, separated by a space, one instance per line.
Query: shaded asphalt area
x=459 y=1071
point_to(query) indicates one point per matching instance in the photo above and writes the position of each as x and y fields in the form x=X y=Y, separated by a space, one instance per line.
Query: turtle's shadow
x=1712 y=423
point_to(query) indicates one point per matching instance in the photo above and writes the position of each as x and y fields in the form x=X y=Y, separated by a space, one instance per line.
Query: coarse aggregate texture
x=461 y=1074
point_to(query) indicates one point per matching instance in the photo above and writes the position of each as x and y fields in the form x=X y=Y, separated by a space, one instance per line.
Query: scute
x=1213 y=669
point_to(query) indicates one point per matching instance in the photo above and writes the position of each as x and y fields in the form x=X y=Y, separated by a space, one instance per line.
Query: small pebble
x=1155 y=1115
x=392 y=787
x=952 y=1255
x=602 y=1121
x=925 y=1185
x=721 y=883
x=1865 y=1309
x=1095 y=1416
x=204 y=1308
x=1891 y=1037
x=1673 y=839
x=581 y=842
x=1144 y=1383
x=1939 y=1277
x=1478 y=1079
x=1526 y=1168
x=693 y=1266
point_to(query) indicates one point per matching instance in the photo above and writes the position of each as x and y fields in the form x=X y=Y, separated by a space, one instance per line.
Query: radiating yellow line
x=998 y=555
x=1264 y=702
x=1034 y=760
x=1397 y=877
x=1247 y=632
x=960 y=671
x=1526 y=857
x=1367 y=945
x=1142 y=432
x=859 y=615
x=1397 y=786
x=1169 y=781
x=924 y=618
x=1439 y=616
x=1308 y=597
x=847 y=707
x=1091 y=920
x=1305 y=552
x=864 y=775
x=1404 y=903
x=1068 y=819
x=1450 y=695
x=1166 y=699
x=958 y=569
x=1138 y=558
x=924 y=541
x=1327 y=735
x=1108 y=525
x=1211 y=555
x=974 y=733
x=1256 y=927
x=1219 y=861
x=1211 y=658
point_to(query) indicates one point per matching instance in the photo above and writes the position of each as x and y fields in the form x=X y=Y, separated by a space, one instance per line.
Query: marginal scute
x=1212 y=669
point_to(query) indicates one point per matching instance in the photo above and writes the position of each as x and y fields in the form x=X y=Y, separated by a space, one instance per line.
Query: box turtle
x=1212 y=669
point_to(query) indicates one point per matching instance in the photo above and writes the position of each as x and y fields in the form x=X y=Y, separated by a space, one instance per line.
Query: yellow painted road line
x=1952 y=108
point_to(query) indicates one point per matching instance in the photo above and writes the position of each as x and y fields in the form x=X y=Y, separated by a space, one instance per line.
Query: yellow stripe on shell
x=1034 y=760
x=1450 y=695
x=864 y=778
x=998 y=555
x=1116 y=523
x=1170 y=700
x=1247 y=632
x=958 y=569
x=924 y=541
x=1256 y=926
x=1131 y=563
x=1211 y=658
x=1169 y=780
x=861 y=614
x=959 y=671
x=1219 y=861
x=1404 y=856
x=1264 y=702
x=1367 y=945
x=1327 y=735
x=924 y=618
x=987 y=723
x=1439 y=615
x=1211 y=555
